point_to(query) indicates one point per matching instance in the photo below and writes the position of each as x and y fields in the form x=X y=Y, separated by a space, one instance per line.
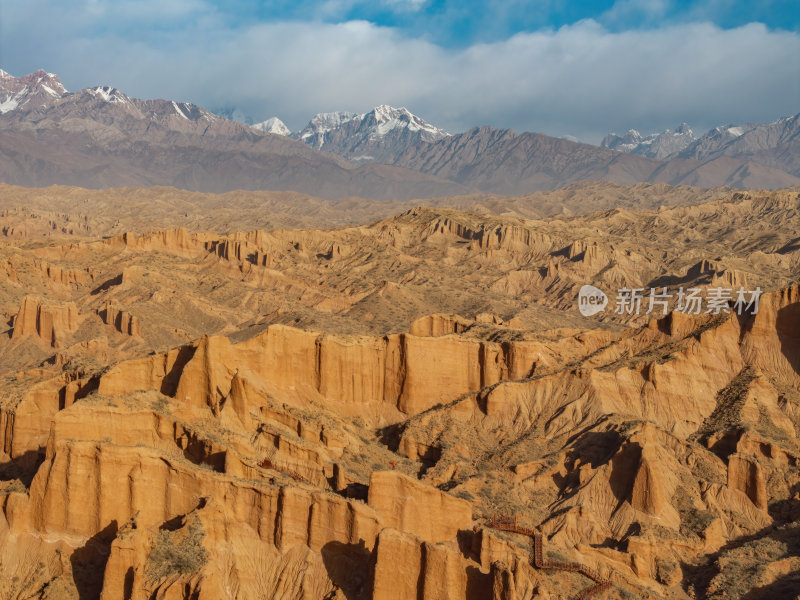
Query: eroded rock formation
x=296 y=422
x=50 y=323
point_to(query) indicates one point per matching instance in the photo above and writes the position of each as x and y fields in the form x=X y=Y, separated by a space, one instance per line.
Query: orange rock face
x=745 y=475
x=122 y=321
x=407 y=505
x=409 y=409
x=49 y=323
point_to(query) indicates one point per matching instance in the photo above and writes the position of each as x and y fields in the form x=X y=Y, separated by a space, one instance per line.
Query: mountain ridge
x=100 y=137
x=377 y=135
x=775 y=144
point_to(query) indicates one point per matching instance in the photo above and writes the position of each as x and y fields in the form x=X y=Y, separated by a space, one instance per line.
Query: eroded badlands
x=356 y=412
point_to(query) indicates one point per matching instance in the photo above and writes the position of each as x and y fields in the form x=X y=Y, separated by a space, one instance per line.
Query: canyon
x=321 y=401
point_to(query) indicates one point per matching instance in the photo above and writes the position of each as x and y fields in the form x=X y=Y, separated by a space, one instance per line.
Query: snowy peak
x=313 y=134
x=273 y=125
x=732 y=130
x=774 y=144
x=109 y=94
x=378 y=135
x=48 y=82
x=35 y=90
x=728 y=132
x=626 y=143
x=182 y=111
x=387 y=118
x=654 y=145
x=384 y=112
x=105 y=97
x=40 y=91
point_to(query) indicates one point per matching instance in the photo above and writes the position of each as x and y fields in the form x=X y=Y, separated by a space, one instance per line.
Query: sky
x=578 y=69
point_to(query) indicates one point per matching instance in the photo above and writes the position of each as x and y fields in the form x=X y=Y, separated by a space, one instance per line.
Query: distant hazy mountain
x=715 y=139
x=379 y=135
x=100 y=137
x=655 y=145
x=503 y=161
x=775 y=144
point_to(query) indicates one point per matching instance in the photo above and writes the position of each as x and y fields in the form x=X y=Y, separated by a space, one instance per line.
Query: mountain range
x=654 y=145
x=376 y=136
x=775 y=144
x=100 y=137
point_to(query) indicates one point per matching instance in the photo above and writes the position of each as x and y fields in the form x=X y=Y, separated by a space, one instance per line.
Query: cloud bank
x=581 y=80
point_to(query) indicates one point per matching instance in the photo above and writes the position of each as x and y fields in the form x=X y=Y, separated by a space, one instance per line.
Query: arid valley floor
x=261 y=395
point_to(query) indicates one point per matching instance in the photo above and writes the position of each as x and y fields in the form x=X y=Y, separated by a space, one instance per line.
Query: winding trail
x=503 y=523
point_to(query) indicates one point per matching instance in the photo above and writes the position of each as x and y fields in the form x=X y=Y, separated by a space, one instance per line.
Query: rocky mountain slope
x=36 y=90
x=655 y=145
x=364 y=412
x=100 y=137
x=773 y=144
x=504 y=161
x=376 y=136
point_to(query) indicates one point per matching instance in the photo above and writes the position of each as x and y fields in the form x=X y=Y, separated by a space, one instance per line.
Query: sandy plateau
x=266 y=395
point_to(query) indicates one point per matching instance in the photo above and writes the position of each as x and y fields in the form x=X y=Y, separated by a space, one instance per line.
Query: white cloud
x=580 y=80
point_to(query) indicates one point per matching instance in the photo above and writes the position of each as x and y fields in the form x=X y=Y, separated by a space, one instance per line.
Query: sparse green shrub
x=556 y=556
x=161 y=404
x=176 y=553
x=668 y=572
x=694 y=521
x=13 y=486
x=465 y=495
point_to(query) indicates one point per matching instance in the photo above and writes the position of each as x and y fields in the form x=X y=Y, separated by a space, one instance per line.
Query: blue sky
x=455 y=23
x=577 y=69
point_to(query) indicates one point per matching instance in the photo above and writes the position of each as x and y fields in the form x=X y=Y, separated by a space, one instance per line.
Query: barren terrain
x=266 y=395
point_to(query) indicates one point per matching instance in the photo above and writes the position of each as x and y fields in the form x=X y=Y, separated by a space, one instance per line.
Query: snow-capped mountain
x=43 y=92
x=654 y=145
x=100 y=137
x=108 y=94
x=375 y=136
x=624 y=143
x=775 y=144
x=37 y=90
x=718 y=138
x=320 y=124
x=273 y=125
